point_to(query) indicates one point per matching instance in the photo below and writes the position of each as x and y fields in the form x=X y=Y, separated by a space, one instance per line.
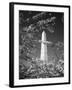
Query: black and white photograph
x=41 y=44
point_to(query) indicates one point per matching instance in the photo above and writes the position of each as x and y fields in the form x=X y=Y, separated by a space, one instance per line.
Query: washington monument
x=44 y=51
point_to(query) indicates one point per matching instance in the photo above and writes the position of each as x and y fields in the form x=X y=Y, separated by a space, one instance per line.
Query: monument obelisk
x=44 y=56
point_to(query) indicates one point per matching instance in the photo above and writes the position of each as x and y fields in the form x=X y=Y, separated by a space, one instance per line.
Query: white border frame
x=18 y=82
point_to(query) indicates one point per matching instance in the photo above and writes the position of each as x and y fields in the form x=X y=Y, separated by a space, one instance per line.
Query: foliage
x=30 y=29
x=38 y=69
